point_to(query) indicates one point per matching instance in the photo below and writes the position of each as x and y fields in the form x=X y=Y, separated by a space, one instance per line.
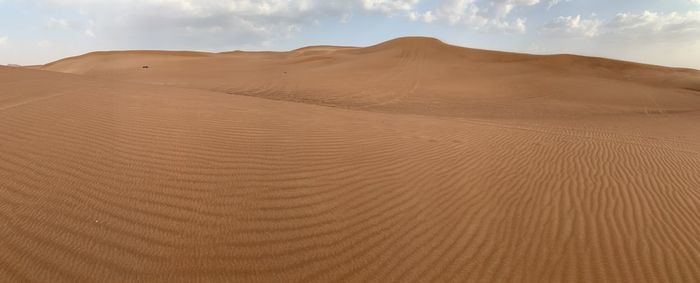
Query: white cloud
x=572 y=26
x=647 y=26
x=677 y=26
x=504 y=7
x=58 y=23
x=426 y=17
x=207 y=24
x=552 y=3
x=3 y=40
x=491 y=15
x=389 y=6
x=89 y=31
x=87 y=28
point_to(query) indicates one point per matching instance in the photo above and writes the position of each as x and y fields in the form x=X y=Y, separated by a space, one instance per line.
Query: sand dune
x=408 y=161
x=416 y=75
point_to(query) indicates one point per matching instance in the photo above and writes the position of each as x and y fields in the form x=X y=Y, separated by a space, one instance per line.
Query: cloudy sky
x=665 y=32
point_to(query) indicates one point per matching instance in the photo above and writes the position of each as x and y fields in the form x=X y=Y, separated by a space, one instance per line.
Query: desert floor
x=407 y=161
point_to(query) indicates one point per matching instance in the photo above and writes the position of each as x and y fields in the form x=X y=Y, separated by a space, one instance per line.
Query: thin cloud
x=492 y=16
x=212 y=23
x=572 y=26
x=647 y=26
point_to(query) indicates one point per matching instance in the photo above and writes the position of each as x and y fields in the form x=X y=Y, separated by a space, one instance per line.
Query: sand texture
x=407 y=161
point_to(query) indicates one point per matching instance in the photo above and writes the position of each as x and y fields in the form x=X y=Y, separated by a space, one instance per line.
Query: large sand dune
x=408 y=161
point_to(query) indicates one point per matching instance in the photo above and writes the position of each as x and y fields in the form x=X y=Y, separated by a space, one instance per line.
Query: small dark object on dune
x=145 y=67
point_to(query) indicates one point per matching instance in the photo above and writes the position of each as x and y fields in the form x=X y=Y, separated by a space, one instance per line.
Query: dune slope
x=426 y=169
x=416 y=75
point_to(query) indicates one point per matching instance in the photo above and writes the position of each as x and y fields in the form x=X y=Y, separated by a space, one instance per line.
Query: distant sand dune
x=432 y=163
x=416 y=75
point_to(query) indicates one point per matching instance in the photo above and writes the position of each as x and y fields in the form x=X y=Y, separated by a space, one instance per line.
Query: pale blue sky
x=665 y=32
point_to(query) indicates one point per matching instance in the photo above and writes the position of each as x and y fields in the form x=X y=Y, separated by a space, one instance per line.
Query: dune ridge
x=407 y=161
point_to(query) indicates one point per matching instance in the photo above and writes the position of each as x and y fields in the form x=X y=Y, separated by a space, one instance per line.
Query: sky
x=663 y=32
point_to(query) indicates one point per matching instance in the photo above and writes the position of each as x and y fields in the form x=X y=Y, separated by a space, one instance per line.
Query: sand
x=408 y=161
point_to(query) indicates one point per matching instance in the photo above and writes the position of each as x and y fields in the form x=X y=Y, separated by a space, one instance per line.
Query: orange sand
x=408 y=161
